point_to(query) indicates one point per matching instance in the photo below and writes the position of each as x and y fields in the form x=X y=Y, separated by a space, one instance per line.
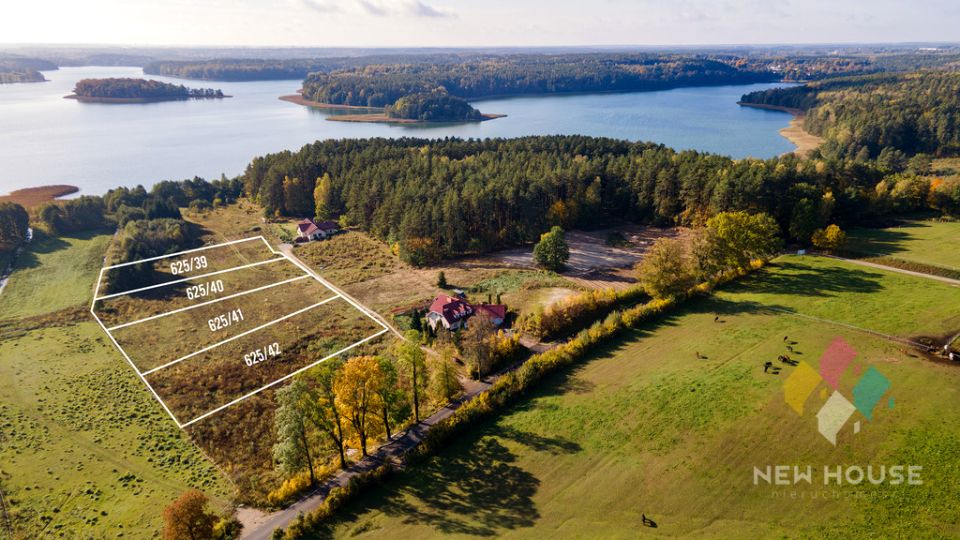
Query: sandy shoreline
x=383 y=118
x=372 y=114
x=804 y=141
x=300 y=100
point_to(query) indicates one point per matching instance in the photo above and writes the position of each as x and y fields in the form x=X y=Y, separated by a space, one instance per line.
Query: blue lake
x=45 y=139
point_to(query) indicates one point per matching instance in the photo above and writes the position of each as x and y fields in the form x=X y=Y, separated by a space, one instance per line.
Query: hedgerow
x=510 y=387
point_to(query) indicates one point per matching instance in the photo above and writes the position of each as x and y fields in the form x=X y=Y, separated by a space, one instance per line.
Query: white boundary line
x=258 y=289
x=240 y=335
x=285 y=377
x=174 y=282
x=309 y=272
x=363 y=309
x=124 y=353
x=157 y=258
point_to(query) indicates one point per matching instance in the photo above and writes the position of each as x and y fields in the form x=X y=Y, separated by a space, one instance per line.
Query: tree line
x=348 y=404
x=129 y=88
x=263 y=69
x=379 y=85
x=889 y=116
x=437 y=198
x=14 y=225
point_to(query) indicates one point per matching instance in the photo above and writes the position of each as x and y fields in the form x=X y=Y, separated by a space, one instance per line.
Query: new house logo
x=869 y=389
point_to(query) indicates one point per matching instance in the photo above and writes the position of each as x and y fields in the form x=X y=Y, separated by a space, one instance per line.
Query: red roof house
x=452 y=312
x=309 y=230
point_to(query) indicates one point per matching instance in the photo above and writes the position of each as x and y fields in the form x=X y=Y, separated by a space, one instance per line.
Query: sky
x=429 y=23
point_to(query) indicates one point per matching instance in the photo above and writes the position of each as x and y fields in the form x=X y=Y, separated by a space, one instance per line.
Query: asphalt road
x=390 y=452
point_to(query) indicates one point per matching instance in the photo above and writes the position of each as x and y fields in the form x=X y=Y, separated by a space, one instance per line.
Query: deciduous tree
x=358 y=394
x=478 y=346
x=327 y=414
x=444 y=385
x=413 y=369
x=666 y=268
x=292 y=425
x=187 y=518
x=830 y=239
x=14 y=222
x=552 y=252
x=323 y=199
x=741 y=237
x=389 y=393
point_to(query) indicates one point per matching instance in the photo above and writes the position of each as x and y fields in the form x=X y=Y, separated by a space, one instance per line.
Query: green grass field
x=54 y=273
x=644 y=427
x=923 y=241
x=84 y=447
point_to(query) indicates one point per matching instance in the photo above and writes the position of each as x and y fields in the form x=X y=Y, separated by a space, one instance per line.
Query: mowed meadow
x=669 y=422
x=84 y=447
x=923 y=241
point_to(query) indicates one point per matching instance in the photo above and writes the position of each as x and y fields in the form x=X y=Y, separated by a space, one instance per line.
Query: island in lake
x=415 y=108
x=129 y=90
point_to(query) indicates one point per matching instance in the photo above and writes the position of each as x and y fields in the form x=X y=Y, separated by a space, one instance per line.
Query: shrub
x=574 y=312
x=199 y=205
x=296 y=485
x=830 y=239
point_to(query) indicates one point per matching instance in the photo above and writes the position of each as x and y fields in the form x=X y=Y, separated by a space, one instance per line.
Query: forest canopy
x=877 y=116
x=128 y=88
x=383 y=84
x=436 y=106
x=437 y=198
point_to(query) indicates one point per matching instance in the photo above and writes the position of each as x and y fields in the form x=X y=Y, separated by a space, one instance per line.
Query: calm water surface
x=45 y=139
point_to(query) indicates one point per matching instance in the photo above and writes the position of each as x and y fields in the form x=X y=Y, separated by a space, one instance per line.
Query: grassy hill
x=84 y=448
x=645 y=427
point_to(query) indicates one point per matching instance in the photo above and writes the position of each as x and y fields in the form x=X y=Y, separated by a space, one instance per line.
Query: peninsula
x=417 y=108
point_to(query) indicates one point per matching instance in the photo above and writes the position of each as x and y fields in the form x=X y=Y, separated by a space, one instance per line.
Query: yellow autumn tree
x=358 y=395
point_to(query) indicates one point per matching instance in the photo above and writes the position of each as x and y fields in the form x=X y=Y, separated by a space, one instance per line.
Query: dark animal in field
x=787 y=360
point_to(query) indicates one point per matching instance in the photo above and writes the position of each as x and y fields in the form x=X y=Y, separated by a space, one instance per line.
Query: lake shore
x=84 y=99
x=34 y=196
x=300 y=100
x=375 y=115
x=805 y=141
x=384 y=119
